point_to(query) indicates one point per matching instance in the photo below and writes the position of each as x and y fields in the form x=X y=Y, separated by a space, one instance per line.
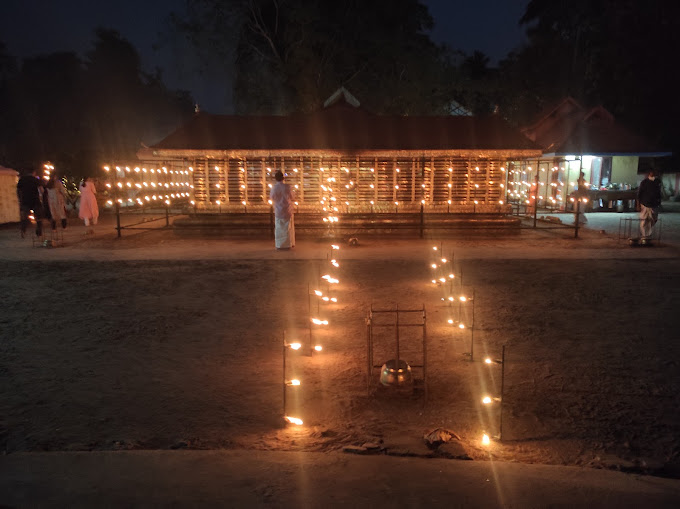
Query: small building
x=345 y=158
x=574 y=140
x=9 y=204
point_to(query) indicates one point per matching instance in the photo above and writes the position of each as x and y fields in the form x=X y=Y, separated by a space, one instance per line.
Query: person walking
x=56 y=199
x=283 y=199
x=29 y=195
x=89 y=211
x=649 y=200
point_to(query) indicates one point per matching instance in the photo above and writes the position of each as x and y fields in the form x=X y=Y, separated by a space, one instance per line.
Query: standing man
x=29 y=192
x=283 y=199
x=649 y=200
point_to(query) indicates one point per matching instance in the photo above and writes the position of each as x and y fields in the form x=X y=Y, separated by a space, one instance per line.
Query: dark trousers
x=25 y=211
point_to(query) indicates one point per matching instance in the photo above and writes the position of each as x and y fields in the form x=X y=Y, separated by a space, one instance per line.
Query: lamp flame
x=295 y=420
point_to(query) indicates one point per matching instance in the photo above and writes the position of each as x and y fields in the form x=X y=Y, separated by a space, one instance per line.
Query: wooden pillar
x=432 y=180
x=450 y=172
x=206 y=176
x=413 y=179
x=469 y=180
x=263 y=170
x=375 y=181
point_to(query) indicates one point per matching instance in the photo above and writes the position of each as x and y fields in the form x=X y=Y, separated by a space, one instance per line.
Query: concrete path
x=294 y=479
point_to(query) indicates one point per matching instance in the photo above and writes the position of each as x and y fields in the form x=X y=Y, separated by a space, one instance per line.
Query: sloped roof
x=569 y=128
x=344 y=128
x=8 y=171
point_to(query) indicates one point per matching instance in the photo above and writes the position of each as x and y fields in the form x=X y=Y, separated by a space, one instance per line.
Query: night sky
x=32 y=27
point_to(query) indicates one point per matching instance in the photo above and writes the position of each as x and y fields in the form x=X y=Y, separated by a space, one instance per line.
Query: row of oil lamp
x=329 y=281
x=444 y=277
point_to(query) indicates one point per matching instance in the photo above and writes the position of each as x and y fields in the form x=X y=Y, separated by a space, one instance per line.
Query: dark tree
x=80 y=115
x=618 y=53
x=289 y=55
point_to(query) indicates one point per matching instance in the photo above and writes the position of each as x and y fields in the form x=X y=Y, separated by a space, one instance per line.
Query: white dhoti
x=648 y=218
x=284 y=233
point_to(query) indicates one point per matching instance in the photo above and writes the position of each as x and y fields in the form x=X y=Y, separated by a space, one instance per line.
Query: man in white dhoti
x=649 y=200
x=283 y=199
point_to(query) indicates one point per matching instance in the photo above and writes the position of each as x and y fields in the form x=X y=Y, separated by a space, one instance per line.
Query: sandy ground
x=154 y=342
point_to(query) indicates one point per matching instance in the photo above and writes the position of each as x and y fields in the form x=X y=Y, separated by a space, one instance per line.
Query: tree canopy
x=620 y=54
x=79 y=113
x=290 y=55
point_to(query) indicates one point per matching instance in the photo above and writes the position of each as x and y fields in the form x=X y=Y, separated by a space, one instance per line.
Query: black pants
x=25 y=211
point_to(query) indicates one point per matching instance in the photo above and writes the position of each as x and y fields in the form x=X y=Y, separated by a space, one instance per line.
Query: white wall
x=9 y=205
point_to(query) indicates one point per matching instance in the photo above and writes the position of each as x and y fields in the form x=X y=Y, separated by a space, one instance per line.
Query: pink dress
x=88 y=202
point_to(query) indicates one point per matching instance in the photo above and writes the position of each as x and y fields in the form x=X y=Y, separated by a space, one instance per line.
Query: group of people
x=46 y=200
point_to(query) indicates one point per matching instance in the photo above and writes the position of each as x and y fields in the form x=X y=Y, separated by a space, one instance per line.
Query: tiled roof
x=569 y=128
x=346 y=128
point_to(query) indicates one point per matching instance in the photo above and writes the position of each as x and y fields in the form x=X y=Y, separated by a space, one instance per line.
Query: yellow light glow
x=316 y=321
x=317 y=292
x=485 y=439
x=295 y=346
x=294 y=420
x=434 y=265
x=486 y=400
x=487 y=361
x=463 y=298
x=442 y=279
x=318 y=348
x=451 y=276
x=461 y=325
x=295 y=381
x=450 y=321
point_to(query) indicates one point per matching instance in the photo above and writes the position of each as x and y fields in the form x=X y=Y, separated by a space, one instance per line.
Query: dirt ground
x=160 y=343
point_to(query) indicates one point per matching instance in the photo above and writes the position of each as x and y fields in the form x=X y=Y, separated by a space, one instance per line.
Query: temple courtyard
x=133 y=354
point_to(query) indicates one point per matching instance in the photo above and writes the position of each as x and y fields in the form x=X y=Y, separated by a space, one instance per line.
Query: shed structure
x=579 y=140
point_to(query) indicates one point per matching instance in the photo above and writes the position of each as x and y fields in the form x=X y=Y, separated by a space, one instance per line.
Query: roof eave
x=153 y=153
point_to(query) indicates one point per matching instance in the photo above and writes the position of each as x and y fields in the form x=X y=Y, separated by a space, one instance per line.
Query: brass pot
x=391 y=374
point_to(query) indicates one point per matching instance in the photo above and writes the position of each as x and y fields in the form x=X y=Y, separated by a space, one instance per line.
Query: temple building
x=346 y=159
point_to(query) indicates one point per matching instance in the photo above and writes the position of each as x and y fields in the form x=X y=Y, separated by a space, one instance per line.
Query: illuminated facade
x=345 y=159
